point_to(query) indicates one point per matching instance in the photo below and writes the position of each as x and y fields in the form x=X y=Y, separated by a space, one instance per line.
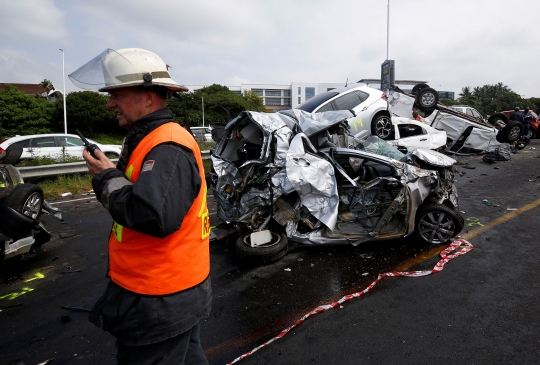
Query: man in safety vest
x=159 y=261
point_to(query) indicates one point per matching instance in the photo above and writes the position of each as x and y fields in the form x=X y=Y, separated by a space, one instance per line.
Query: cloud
x=38 y=19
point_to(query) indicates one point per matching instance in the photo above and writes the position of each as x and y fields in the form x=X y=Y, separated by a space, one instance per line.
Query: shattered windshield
x=374 y=144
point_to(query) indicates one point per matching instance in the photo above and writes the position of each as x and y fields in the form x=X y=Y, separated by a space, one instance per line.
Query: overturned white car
x=300 y=177
x=465 y=134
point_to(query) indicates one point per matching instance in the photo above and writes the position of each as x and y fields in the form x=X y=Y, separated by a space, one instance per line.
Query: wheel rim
x=32 y=206
x=514 y=133
x=275 y=241
x=436 y=227
x=383 y=127
x=428 y=99
x=529 y=134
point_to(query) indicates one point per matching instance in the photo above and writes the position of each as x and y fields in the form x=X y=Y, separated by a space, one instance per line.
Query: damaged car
x=466 y=134
x=295 y=177
x=21 y=206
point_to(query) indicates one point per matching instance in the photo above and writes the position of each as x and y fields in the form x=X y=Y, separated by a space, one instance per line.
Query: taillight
x=1 y=150
x=384 y=96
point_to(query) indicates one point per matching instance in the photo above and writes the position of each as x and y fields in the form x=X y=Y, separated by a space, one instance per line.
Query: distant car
x=467 y=110
x=534 y=131
x=368 y=104
x=55 y=145
x=202 y=134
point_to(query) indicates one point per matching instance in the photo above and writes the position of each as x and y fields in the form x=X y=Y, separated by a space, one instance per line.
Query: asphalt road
x=480 y=309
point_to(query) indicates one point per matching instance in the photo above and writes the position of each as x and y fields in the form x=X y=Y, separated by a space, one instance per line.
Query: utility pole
x=387 y=29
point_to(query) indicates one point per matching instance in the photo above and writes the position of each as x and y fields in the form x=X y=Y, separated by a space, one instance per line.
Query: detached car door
x=412 y=135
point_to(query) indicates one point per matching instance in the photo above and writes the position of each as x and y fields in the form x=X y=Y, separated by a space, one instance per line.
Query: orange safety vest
x=157 y=266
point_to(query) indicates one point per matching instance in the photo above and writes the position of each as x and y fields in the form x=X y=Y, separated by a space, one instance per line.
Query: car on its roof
x=369 y=105
x=55 y=145
x=534 y=131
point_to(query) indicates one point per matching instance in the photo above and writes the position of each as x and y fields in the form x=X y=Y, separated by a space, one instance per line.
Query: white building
x=289 y=96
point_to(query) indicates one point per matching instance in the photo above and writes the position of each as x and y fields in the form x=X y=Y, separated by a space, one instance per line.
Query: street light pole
x=64 y=96
x=387 y=28
x=203 y=111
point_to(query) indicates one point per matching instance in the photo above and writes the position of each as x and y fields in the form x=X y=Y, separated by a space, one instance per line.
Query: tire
x=382 y=127
x=27 y=199
x=13 y=223
x=416 y=88
x=262 y=255
x=427 y=98
x=522 y=143
x=437 y=223
x=511 y=132
x=530 y=134
x=13 y=155
x=496 y=118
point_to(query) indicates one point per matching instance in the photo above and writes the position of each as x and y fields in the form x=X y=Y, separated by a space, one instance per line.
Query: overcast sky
x=451 y=44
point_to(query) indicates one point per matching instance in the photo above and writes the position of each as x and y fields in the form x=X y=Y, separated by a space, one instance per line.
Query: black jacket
x=155 y=205
x=516 y=116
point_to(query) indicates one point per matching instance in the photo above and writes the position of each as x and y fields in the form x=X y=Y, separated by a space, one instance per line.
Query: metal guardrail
x=67 y=168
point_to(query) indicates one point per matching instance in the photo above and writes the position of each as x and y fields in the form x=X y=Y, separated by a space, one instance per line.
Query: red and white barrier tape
x=445 y=257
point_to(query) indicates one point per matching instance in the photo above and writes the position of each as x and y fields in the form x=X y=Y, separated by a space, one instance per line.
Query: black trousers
x=182 y=349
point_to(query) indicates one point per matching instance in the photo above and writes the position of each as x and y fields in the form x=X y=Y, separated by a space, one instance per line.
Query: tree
x=47 y=84
x=24 y=114
x=255 y=102
x=87 y=111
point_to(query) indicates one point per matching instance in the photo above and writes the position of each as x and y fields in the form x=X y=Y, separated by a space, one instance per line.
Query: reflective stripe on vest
x=157 y=266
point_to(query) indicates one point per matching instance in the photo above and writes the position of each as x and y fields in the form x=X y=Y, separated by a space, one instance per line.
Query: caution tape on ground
x=459 y=247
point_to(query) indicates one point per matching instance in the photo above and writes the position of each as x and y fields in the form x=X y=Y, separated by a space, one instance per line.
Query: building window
x=299 y=90
x=299 y=100
x=310 y=92
x=286 y=101
x=286 y=92
x=272 y=101
x=445 y=94
x=257 y=91
x=272 y=92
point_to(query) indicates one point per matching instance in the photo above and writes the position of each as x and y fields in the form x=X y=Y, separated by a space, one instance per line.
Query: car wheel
x=498 y=118
x=530 y=134
x=265 y=254
x=427 y=98
x=416 y=88
x=522 y=143
x=437 y=223
x=382 y=127
x=510 y=132
x=13 y=223
x=12 y=154
x=27 y=199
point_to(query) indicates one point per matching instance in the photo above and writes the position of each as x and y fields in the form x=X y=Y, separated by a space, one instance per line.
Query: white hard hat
x=124 y=68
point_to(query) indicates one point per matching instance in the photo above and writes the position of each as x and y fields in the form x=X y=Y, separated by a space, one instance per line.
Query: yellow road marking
x=434 y=251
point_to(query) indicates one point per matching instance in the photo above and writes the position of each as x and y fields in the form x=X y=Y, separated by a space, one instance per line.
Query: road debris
x=70 y=271
x=76 y=309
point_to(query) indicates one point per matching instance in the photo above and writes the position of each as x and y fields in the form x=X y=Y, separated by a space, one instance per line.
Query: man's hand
x=98 y=164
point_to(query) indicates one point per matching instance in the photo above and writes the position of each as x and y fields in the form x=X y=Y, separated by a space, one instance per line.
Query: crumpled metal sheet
x=401 y=105
x=227 y=174
x=433 y=157
x=313 y=123
x=480 y=139
x=314 y=180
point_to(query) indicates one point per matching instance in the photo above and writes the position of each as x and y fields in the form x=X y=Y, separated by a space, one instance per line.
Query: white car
x=409 y=134
x=55 y=146
x=202 y=134
x=369 y=105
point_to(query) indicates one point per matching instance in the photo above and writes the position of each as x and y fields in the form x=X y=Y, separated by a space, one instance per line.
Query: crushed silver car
x=299 y=177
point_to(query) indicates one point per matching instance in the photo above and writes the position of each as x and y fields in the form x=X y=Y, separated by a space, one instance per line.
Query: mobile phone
x=91 y=147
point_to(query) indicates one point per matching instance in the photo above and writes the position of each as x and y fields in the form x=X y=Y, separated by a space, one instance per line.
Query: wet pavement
x=479 y=309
